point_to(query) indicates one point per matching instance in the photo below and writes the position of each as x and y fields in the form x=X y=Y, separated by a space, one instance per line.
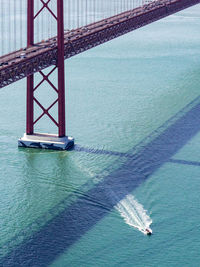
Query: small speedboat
x=148 y=231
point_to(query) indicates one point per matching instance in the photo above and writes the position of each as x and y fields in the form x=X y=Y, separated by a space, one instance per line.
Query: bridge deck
x=25 y=62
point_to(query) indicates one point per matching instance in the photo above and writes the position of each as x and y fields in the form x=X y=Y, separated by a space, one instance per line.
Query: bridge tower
x=42 y=140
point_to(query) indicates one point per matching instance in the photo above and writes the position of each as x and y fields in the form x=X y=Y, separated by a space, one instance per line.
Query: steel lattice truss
x=18 y=65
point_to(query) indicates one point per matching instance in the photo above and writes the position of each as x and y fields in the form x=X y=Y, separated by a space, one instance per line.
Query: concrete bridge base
x=46 y=141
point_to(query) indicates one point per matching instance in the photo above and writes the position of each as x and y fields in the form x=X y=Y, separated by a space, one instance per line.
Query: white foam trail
x=134 y=213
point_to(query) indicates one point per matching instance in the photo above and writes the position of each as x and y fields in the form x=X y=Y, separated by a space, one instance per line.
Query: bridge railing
x=77 y=13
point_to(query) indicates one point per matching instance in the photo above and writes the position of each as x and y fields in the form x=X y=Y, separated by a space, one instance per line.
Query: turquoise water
x=133 y=108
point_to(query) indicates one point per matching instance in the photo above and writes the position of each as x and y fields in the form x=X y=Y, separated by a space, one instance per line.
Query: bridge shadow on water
x=73 y=222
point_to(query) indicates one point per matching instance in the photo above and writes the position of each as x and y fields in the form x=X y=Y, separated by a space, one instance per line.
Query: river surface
x=133 y=107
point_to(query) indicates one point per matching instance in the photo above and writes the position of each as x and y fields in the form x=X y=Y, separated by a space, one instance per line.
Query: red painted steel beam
x=30 y=23
x=61 y=68
x=30 y=79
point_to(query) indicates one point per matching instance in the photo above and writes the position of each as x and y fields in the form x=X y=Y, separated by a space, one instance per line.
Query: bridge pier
x=41 y=140
x=47 y=141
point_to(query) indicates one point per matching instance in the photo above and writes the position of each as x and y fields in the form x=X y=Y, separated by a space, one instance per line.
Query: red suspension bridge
x=57 y=30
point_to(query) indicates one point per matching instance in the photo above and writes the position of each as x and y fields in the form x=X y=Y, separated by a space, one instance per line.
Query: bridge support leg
x=38 y=140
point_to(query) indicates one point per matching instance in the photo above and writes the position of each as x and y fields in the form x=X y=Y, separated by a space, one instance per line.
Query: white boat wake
x=134 y=213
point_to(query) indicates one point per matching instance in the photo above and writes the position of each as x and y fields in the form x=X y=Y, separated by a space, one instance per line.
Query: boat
x=148 y=231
